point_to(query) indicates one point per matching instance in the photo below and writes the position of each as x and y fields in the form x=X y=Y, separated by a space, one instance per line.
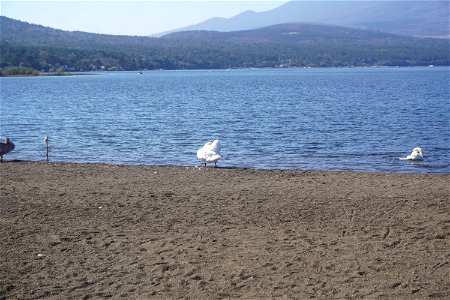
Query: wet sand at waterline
x=85 y=231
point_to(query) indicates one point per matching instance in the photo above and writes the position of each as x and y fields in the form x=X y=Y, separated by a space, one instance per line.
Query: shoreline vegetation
x=29 y=72
x=96 y=230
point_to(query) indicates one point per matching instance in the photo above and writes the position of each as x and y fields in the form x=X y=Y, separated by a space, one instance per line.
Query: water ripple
x=329 y=119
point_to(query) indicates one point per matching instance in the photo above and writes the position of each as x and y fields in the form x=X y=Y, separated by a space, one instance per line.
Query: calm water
x=359 y=119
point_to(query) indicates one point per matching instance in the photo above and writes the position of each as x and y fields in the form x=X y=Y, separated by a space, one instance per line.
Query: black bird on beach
x=5 y=147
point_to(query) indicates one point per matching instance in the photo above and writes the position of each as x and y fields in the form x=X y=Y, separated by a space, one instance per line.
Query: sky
x=144 y=17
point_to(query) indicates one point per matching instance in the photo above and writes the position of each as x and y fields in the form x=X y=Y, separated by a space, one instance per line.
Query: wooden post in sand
x=46 y=143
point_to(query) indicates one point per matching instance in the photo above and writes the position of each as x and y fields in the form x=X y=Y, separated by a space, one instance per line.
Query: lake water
x=360 y=119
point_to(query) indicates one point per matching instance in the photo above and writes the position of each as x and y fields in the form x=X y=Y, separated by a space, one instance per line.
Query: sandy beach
x=92 y=231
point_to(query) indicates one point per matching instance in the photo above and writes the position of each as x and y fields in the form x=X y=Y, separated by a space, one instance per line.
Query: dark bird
x=5 y=147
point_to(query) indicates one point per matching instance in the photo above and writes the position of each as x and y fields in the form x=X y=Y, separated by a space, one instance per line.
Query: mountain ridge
x=410 y=18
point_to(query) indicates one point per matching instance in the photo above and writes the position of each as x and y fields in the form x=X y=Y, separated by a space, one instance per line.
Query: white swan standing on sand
x=210 y=152
x=416 y=154
x=6 y=147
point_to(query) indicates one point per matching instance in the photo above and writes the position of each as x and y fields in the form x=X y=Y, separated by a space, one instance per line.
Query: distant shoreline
x=84 y=73
x=45 y=75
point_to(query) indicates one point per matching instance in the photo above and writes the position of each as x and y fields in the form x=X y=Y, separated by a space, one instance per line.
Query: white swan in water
x=416 y=154
x=210 y=152
x=6 y=147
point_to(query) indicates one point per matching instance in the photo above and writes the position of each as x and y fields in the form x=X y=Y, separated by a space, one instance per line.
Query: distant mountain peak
x=411 y=18
x=246 y=13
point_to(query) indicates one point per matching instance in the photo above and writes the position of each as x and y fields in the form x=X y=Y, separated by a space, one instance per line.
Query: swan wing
x=202 y=153
x=216 y=146
x=212 y=158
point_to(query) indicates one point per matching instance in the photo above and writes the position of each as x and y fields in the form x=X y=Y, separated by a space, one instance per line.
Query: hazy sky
x=144 y=17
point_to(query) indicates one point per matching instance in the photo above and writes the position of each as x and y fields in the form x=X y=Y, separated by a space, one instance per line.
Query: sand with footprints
x=91 y=231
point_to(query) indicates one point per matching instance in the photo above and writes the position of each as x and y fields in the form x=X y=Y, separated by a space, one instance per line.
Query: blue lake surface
x=360 y=119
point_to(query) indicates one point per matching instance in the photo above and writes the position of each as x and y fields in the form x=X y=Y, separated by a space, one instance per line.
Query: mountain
x=282 y=45
x=411 y=18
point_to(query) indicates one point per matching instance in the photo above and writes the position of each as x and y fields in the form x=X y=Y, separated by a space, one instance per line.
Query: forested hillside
x=284 y=45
